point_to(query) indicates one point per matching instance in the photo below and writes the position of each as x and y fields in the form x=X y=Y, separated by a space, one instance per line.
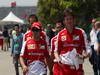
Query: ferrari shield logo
x=63 y=38
x=31 y=46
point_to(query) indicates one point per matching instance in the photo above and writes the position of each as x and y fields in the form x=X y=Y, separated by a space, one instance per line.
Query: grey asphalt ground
x=7 y=68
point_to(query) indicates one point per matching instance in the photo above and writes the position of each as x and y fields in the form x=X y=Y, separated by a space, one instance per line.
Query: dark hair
x=32 y=15
x=5 y=28
x=16 y=25
x=60 y=21
x=68 y=12
x=97 y=24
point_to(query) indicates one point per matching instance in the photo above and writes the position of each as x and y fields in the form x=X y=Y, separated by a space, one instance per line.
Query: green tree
x=49 y=11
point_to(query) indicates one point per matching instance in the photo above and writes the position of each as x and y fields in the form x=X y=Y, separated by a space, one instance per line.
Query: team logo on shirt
x=63 y=38
x=42 y=46
x=31 y=46
x=75 y=37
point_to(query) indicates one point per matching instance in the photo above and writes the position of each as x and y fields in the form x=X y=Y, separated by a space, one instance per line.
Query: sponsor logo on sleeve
x=75 y=37
x=31 y=46
x=42 y=46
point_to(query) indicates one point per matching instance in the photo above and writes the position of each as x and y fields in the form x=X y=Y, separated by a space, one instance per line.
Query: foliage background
x=49 y=11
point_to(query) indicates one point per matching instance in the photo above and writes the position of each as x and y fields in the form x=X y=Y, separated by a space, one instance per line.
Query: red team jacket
x=34 y=50
x=66 y=42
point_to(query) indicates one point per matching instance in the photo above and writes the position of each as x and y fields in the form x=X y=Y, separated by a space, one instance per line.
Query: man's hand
x=83 y=55
x=25 y=69
x=80 y=56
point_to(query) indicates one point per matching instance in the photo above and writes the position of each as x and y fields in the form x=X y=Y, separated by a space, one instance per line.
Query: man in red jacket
x=35 y=53
x=71 y=43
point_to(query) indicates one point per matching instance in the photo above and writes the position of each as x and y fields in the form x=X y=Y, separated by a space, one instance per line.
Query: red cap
x=37 y=25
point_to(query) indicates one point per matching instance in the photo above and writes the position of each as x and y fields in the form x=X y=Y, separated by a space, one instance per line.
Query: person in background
x=1 y=38
x=6 y=37
x=13 y=32
x=71 y=48
x=17 y=37
x=93 y=33
x=98 y=49
x=31 y=19
x=59 y=27
x=35 y=53
x=95 y=40
x=50 y=33
x=21 y=29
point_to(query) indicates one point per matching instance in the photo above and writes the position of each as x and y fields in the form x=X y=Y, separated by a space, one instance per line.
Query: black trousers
x=95 y=61
x=16 y=62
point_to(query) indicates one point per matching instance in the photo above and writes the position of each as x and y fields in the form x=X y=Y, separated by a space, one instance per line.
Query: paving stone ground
x=7 y=68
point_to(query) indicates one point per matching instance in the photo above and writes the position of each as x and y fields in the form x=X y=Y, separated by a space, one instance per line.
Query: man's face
x=16 y=28
x=97 y=25
x=32 y=19
x=68 y=21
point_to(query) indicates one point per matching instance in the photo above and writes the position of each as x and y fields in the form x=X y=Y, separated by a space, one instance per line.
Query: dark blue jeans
x=95 y=61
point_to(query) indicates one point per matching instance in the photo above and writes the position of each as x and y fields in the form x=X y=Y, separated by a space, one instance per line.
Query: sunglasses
x=36 y=30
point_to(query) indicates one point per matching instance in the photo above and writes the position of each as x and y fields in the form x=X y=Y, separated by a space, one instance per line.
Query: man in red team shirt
x=36 y=53
x=71 y=43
